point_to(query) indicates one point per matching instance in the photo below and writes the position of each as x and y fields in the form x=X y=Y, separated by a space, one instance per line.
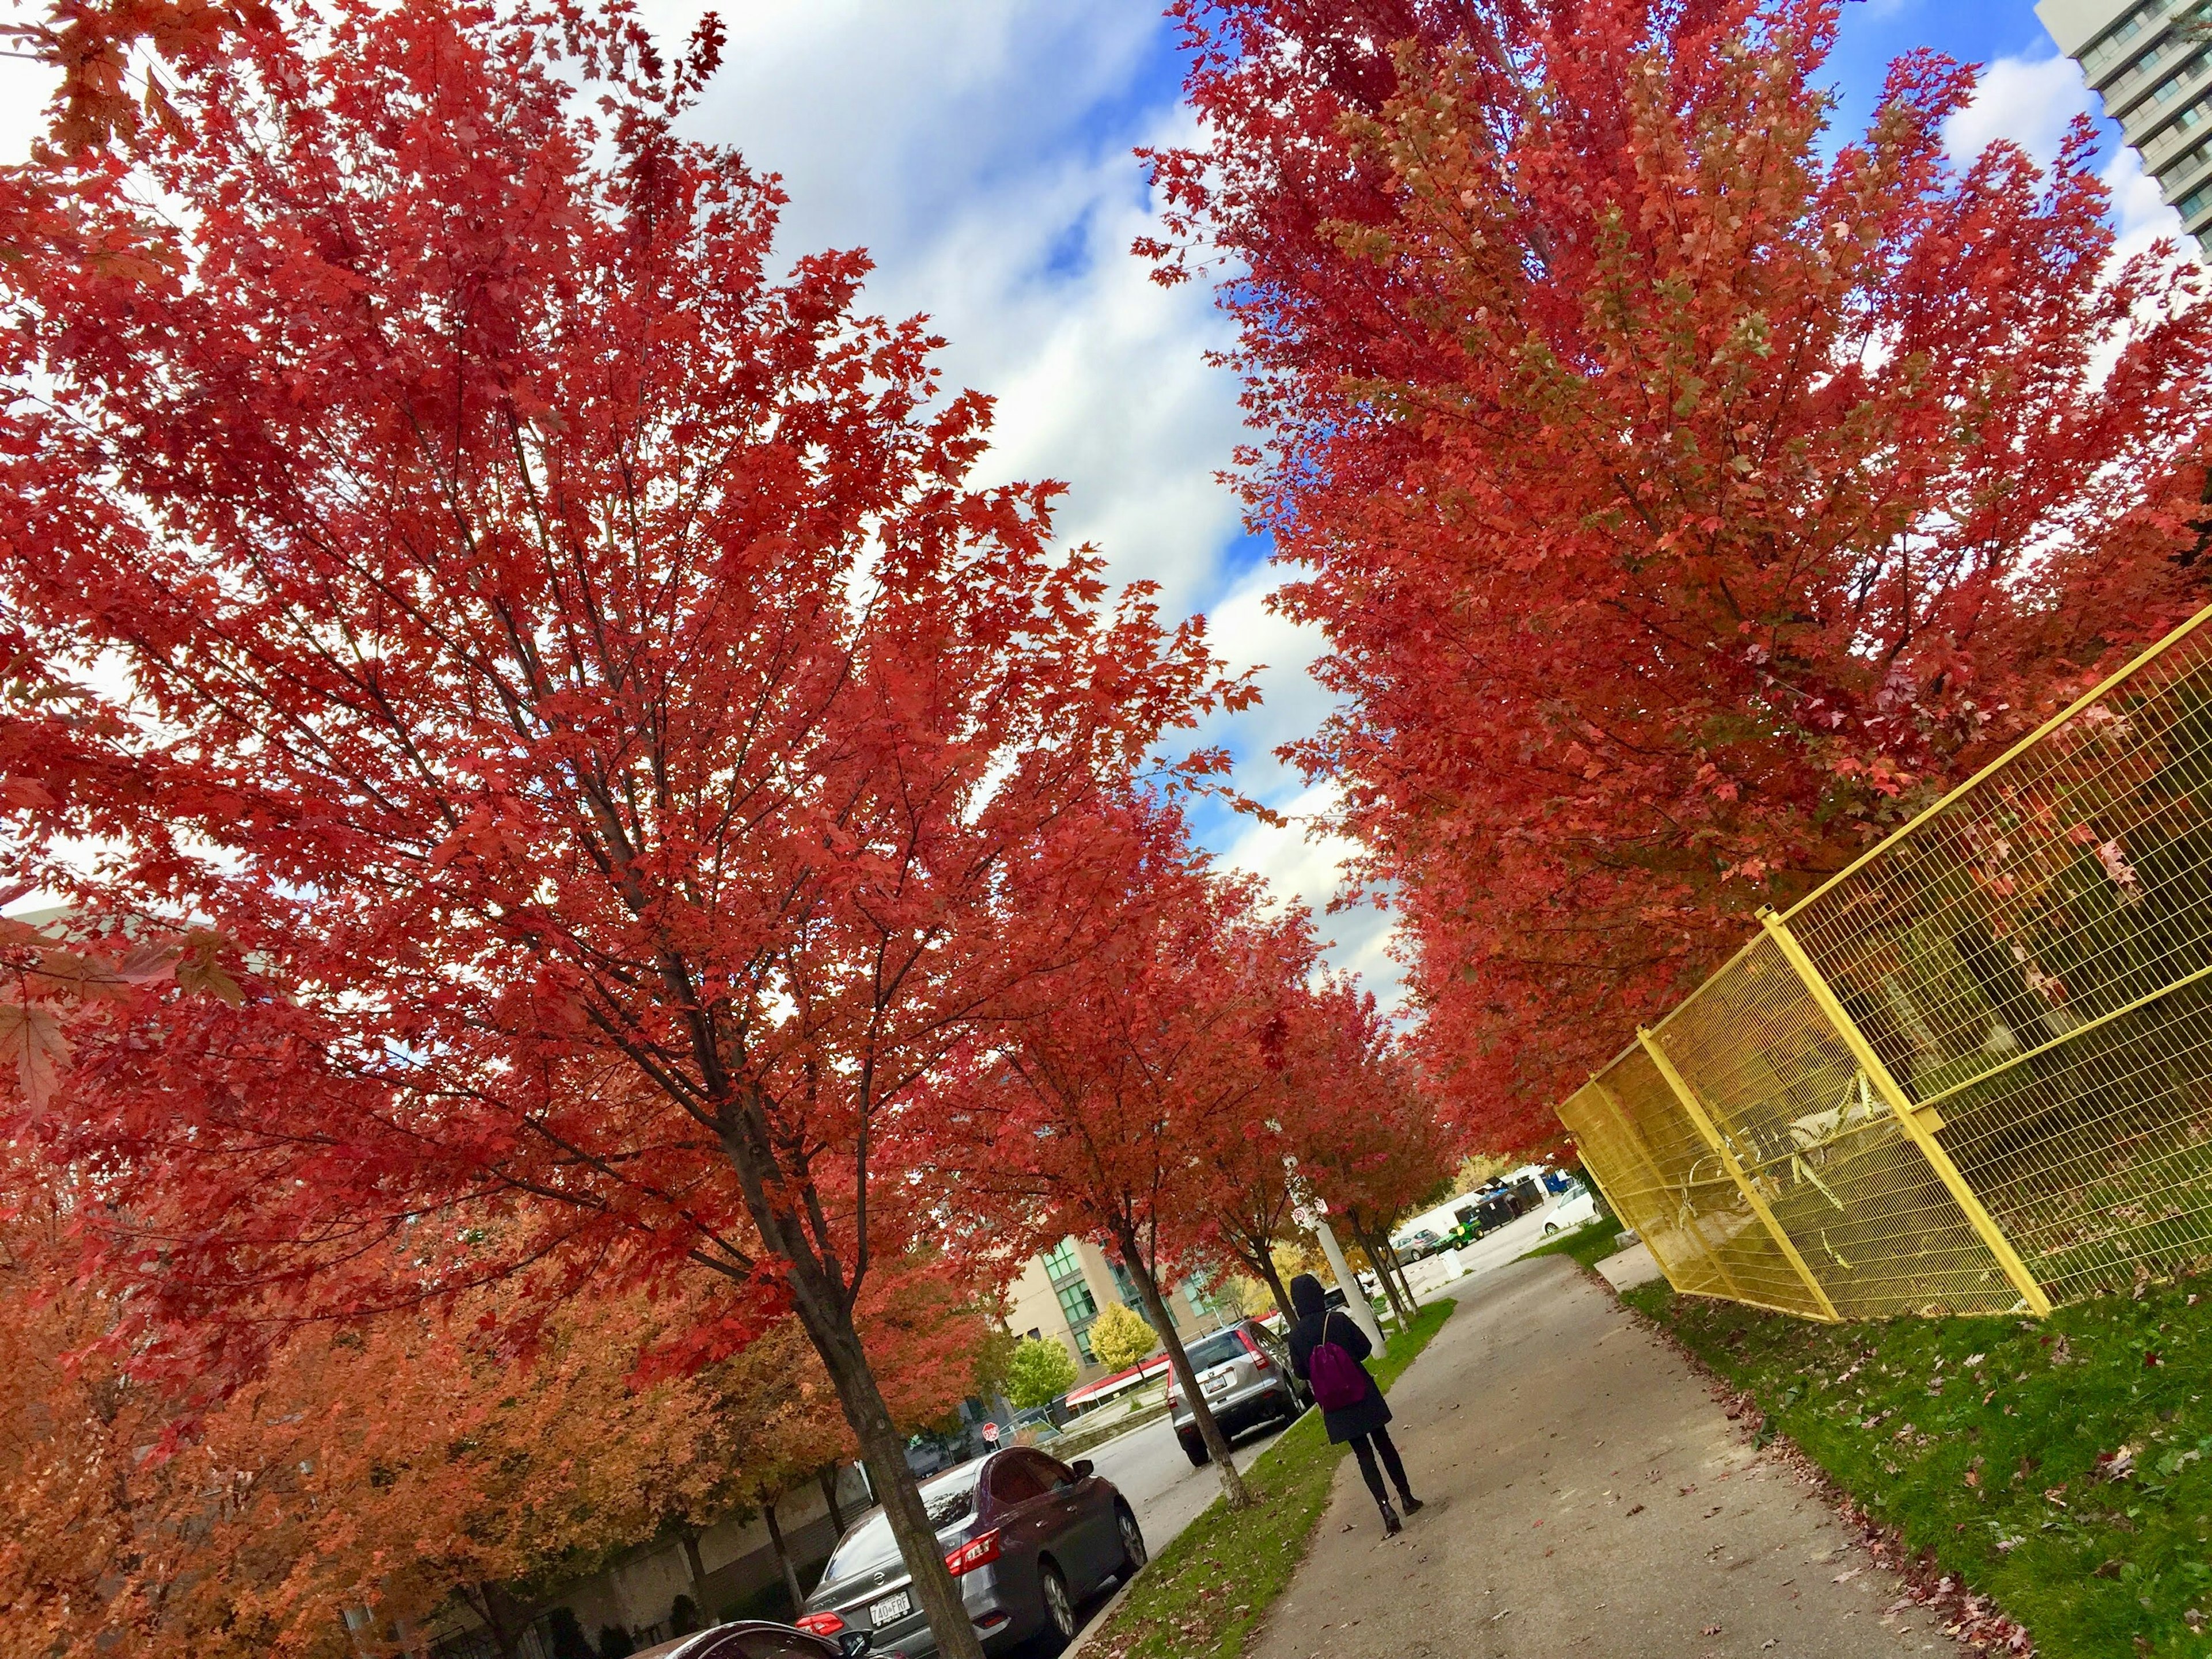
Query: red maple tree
x=564 y=666
x=1096 y=1106
x=1685 y=498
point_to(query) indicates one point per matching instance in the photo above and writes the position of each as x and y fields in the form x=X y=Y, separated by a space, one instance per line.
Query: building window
x=1060 y=1263
x=1077 y=1302
x=2194 y=204
x=2116 y=42
x=1083 y=1348
x=1125 y=1287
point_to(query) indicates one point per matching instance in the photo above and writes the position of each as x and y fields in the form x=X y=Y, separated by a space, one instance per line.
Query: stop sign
x=990 y=1434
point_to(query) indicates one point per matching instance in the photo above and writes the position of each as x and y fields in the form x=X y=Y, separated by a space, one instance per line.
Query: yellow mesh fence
x=1973 y=1072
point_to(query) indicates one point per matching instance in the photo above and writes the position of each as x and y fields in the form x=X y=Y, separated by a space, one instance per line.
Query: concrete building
x=1061 y=1292
x=2150 y=63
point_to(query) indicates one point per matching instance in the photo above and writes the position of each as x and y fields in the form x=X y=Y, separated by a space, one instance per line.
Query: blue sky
x=980 y=149
x=983 y=152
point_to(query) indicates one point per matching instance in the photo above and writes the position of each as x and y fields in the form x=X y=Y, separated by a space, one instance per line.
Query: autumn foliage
x=566 y=668
x=1685 y=497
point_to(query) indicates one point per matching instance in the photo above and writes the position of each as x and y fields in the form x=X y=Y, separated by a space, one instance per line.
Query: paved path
x=1586 y=1496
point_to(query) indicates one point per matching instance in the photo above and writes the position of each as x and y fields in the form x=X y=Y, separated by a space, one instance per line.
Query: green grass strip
x=2061 y=1466
x=1590 y=1244
x=1215 y=1581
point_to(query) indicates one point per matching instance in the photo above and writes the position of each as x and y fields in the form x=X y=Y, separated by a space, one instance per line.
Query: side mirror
x=1083 y=1469
x=852 y=1644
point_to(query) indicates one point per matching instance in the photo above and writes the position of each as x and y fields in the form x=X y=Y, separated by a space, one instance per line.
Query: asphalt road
x=1168 y=1494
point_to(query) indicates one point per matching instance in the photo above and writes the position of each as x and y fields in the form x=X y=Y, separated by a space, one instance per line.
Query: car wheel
x=1551 y=1227
x=1132 y=1543
x=1194 y=1448
x=1059 y=1605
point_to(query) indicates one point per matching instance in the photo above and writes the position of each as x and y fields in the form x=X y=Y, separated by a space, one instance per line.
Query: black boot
x=1391 y=1525
x=1413 y=1505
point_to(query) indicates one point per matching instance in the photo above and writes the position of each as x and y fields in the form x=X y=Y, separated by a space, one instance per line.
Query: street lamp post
x=1312 y=1214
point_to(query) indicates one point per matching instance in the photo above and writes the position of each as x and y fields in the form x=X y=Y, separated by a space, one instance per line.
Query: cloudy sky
x=981 y=151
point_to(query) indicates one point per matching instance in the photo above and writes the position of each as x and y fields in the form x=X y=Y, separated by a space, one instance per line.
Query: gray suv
x=1244 y=1373
x=1027 y=1537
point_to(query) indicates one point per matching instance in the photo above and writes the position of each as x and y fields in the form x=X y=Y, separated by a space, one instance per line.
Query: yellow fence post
x=1629 y=1134
x=1908 y=1116
x=1706 y=1127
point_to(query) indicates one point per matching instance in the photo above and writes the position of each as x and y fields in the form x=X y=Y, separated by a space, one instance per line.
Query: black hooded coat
x=1310 y=1303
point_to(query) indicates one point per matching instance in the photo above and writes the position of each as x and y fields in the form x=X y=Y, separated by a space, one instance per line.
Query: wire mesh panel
x=2028 y=960
x=1871 y=1220
x=2027 y=970
x=1642 y=1193
x=1710 y=1207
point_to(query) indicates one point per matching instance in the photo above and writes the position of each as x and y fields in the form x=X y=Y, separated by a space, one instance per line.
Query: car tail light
x=979 y=1550
x=819 y=1623
x=1258 y=1354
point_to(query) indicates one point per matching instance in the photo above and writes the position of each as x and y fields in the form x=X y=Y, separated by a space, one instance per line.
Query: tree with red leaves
x=1098 y=1107
x=566 y=668
x=1370 y=1141
x=1685 y=501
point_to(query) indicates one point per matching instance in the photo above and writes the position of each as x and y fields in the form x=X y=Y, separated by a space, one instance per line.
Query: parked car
x=1417 y=1245
x=1027 y=1537
x=1244 y=1372
x=756 y=1638
x=1575 y=1206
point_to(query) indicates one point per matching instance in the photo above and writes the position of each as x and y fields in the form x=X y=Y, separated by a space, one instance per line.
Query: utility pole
x=1311 y=1212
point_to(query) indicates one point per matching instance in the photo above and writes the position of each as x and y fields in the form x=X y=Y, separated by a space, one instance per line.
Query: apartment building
x=1061 y=1292
x=2150 y=61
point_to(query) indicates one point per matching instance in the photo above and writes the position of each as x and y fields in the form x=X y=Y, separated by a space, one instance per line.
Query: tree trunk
x=783 y=1557
x=1217 y=1443
x=697 y=1568
x=819 y=1296
x=1399 y=1268
x=505 y=1620
x=1262 y=1263
x=826 y=1477
x=1382 y=1266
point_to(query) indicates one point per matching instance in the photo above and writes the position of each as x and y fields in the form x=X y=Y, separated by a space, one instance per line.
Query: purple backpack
x=1337 y=1379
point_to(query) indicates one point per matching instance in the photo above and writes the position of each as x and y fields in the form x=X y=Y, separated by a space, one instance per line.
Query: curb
x=1097 y=1620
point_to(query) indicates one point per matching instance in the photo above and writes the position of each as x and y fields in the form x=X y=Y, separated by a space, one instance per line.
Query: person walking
x=1327 y=1349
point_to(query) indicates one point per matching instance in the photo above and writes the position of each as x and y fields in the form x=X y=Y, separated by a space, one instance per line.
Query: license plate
x=890 y=1608
x=1217 y=1384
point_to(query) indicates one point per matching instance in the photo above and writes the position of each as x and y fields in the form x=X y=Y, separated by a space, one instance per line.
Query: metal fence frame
x=1971 y=1073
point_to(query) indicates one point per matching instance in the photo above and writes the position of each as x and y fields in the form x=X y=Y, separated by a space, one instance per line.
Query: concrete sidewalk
x=1585 y=1495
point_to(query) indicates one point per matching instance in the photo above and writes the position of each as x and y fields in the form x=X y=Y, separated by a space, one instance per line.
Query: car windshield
x=1216 y=1350
x=949 y=1500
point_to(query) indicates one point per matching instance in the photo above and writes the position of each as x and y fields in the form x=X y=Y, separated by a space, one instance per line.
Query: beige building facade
x=2151 y=62
x=1061 y=1292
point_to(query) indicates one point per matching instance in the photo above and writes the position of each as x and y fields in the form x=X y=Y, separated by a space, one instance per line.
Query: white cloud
x=2027 y=100
x=2031 y=101
x=984 y=159
x=981 y=153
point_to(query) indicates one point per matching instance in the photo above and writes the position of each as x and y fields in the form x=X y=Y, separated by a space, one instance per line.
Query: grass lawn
x=2063 y=1466
x=1590 y=1244
x=1205 y=1591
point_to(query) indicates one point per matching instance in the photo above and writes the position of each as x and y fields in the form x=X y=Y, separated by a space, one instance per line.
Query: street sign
x=990 y=1434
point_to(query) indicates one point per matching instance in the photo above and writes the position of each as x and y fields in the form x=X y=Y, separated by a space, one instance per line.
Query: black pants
x=1363 y=1447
